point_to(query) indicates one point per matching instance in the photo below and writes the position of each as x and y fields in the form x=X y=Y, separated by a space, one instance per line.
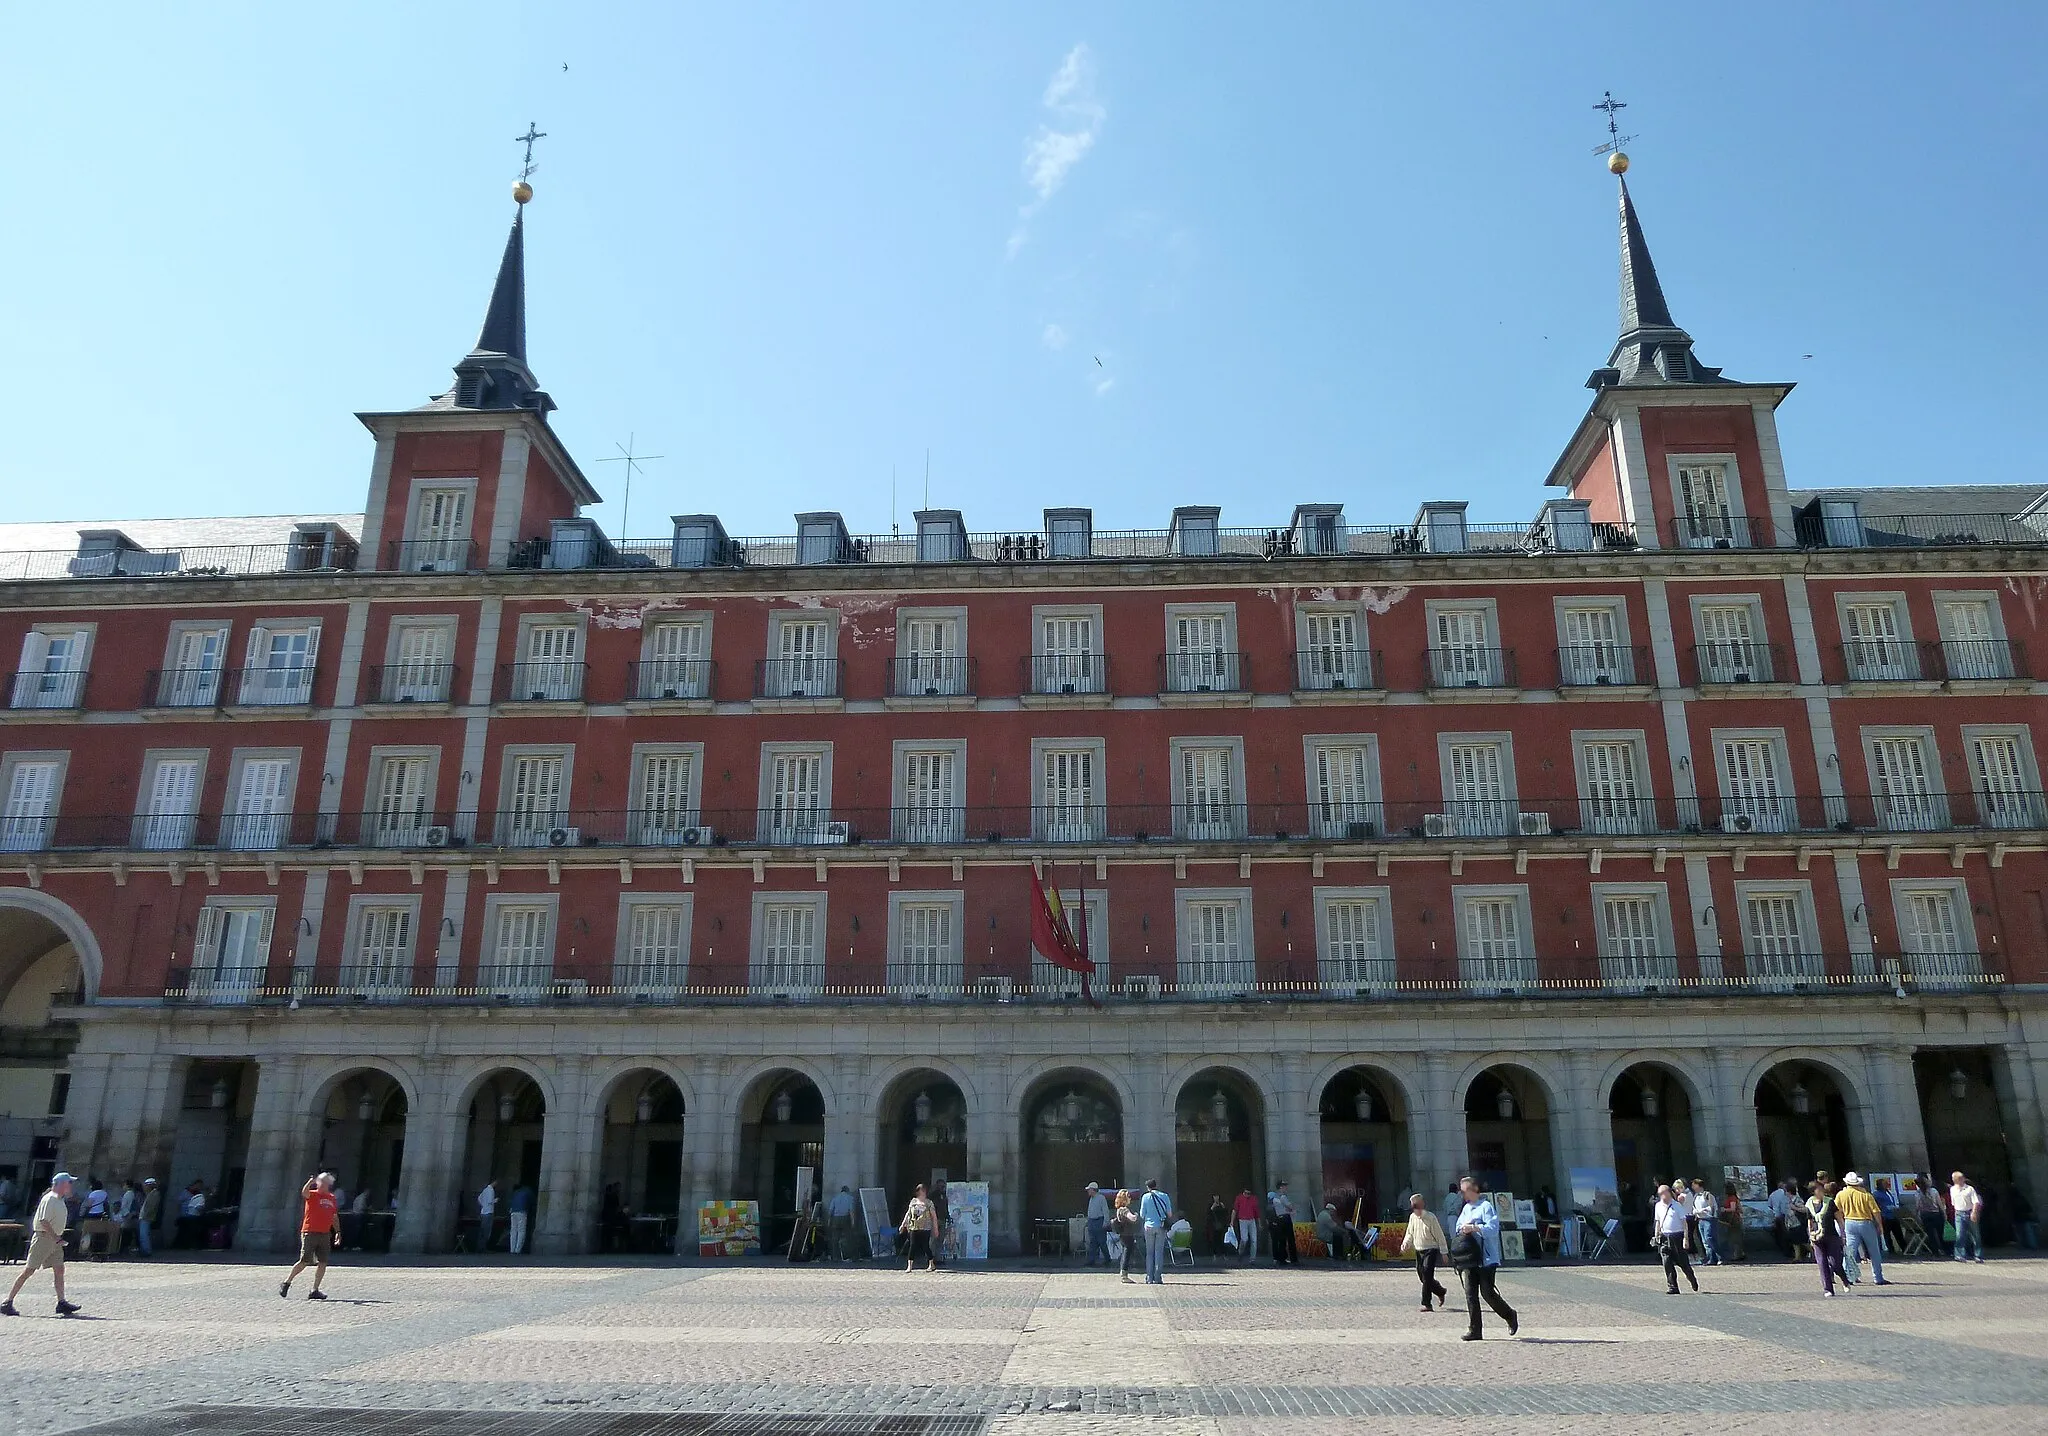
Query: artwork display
x=1503 y=1207
x=1525 y=1213
x=1511 y=1247
x=874 y=1211
x=728 y=1229
x=1596 y=1192
x=1753 y=1190
x=1907 y=1184
x=968 y=1204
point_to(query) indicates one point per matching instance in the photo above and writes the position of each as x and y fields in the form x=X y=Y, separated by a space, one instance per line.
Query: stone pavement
x=1017 y=1352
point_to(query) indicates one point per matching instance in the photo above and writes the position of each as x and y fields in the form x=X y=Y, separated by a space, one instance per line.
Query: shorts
x=314 y=1246
x=44 y=1251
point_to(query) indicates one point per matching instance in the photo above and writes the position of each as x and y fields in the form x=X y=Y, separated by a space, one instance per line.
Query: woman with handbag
x=1824 y=1236
x=921 y=1221
x=1130 y=1235
x=1674 y=1210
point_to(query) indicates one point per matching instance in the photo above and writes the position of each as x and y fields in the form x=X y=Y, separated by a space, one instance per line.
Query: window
x=1613 y=793
x=1493 y=942
x=1728 y=649
x=1478 y=801
x=804 y=662
x=231 y=948
x=419 y=671
x=788 y=934
x=1201 y=651
x=794 y=799
x=674 y=662
x=280 y=664
x=550 y=669
x=1207 y=805
x=1333 y=654
x=440 y=529
x=521 y=956
x=381 y=948
x=664 y=798
x=1752 y=792
x=1875 y=643
x=1937 y=938
x=1972 y=638
x=654 y=943
x=1593 y=647
x=1463 y=655
x=1777 y=935
x=536 y=798
x=169 y=811
x=1088 y=913
x=52 y=672
x=2002 y=773
x=924 y=942
x=1634 y=935
x=192 y=668
x=931 y=659
x=1342 y=787
x=29 y=817
x=1070 y=805
x=260 y=801
x=1353 y=946
x=1707 y=514
x=1068 y=659
x=1215 y=940
x=928 y=805
x=401 y=799
x=1905 y=786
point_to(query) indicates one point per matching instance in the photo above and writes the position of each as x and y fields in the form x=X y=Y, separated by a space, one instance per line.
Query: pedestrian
x=839 y=1223
x=1782 y=1217
x=1887 y=1214
x=1215 y=1222
x=1476 y=1255
x=1451 y=1205
x=1284 y=1253
x=1733 y=1237
x=1668 y=1222
x=1246 y=1211
x=1933 y=1213
x=125 y=1208
x=1098 y=1226
x=521 y=1207
x=920 y=1220
x=1824 y=1236
x=317 y=1231
x=1155 y=1210
x=1706 y=1220
x=1425 y=1238
x=192 y=1216
x=1968 y=1208
x=146 y=1219
x=46 y=1244
x=1862 y=1229
x=1130 y=1234
x=486 y=1215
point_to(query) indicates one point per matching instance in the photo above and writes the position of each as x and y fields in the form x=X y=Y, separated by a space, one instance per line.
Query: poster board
x=728 y=1229
x=1511 y=1248
x=1503 y=1207
x=1525 y=1213
x=1907 y=1185
x=1753 y=1190
x=805 y=1180
x=967 y=1203
x=874 y=1212
x=1596 y=1191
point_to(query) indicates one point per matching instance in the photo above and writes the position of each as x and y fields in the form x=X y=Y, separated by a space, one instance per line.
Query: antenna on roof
x=895 y=529
x=927 y=478
x=633 y=463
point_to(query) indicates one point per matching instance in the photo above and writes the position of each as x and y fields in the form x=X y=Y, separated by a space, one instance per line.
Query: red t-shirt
x=1247 y=1207
x=322 y=1212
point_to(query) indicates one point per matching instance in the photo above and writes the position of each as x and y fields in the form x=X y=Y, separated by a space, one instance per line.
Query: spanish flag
x=1053 y=934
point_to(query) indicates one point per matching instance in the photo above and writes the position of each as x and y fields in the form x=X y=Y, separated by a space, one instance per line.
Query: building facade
x=1696 y=820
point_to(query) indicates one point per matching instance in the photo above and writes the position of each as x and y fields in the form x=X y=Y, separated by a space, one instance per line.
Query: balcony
x=934 y=676
x=1730 y=664
x=430 y=555
x=796 y=678
x=1719 y=531
x=375 y=981
x=289 y=686
x=221 y=986
x=1918 y=531
x=517 y=981
x=1979 y=660
x=672 y=680
x=1069 y=677
x=1213 y=675
x=48 y=690
x=1336 y=671
x=1878 y=660
x=1603 y=665
x=184 y=688
x=1458 y=669
x=412 y=682
x=550 y=680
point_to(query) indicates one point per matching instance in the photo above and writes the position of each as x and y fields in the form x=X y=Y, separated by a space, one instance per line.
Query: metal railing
x=796 y=678
x=430 y=555
x=1920 y=531
x=933 y=675
x=184 y=688
x=1719 y=531
x=1053 y=674
x=1462 y=667
x=1733 y=662
x=1603 y=665
x=412 y=681
x=287 y=687
x=1210 y=672
x=547 y=680
x=201 y=561
x=1878 y=660
x=1336 y=670
x=656 y=680
x=1966 y=659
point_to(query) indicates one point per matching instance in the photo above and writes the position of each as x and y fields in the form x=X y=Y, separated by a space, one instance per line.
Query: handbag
x=1948 y=1231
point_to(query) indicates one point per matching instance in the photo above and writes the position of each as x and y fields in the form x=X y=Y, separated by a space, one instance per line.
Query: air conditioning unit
x=1438 y=825
x=994 y=989
x=836 y=833
x=438 y=837
x=1738 y=823
x=698 y=838
x=565 y=837
x=1532 y=825
x=1141 y=987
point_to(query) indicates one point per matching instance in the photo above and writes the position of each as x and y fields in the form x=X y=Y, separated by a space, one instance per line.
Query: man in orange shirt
x=316 y=1234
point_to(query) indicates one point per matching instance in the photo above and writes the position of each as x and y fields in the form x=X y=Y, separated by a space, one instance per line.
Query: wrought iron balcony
x=1977 y=659
x=1603 y=665
x=1336 y=670
x=796 y=678
x=1055 y=674
x=430 y=555
x=668 y=680
x=1205 y=672
x=1731 y=662
x=933 y=675
x=286 y=686
x=184 y=688
x=548 y=680
x=412 y=681
x=57 y=689
x=1719 y=531
x=1878 y=660
x=1469 y=667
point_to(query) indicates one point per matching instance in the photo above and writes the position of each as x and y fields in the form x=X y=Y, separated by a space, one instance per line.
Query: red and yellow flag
x=1054 y=935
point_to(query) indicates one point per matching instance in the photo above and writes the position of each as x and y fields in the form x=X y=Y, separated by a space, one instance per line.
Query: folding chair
x=1596 y=1242
x=1180 y=1249
x=1916 y=1239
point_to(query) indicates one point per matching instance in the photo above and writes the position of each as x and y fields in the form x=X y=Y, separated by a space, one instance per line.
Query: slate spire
x=504 y=330
x=1642 y=297
x=493 y=375
x=1651 y=349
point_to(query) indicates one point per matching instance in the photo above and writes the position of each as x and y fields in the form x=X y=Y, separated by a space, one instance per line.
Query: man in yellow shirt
x=1862 y=1226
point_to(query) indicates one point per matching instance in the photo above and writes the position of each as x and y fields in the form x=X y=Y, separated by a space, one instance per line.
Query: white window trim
x=1375 y=799
x=1099 y=747
x=1809 y=923
x=1970 y=960
x=240 y=758
x=1759 y=630
x=360 y=903
x=1942 y=597
x=1361 y=617
x=764 y=801
x=374 y=774
x=1738 y=507
x=1624 y=640
x=701 y=618
x=758 y=933
x=89 y=632
x=1511 y=796
x=1384 y=914
x=1225 y=610
x=1665 y=967
x=1930 y=757
x=487 y=958
x=271 y=627
x=404 y=623
x=579 y=660
x=506 y=756
x=1183 y=943
x=636 y=789
x=1099 y=640
x=622 y=943
x=1489 y=607
x=780 y=618
x=1646 y=796
x=150 y=758
x=1902 y=615
x=1462 y=896
x=10 y=761
x=956 y=959
x=2029 y=763
x=211 y=984
x=1177 y=783
x=1788 y=787
x=957 y=616
x=417 y=485
x=900 y=750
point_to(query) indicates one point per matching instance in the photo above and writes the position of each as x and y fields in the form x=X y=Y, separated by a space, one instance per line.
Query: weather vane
x=522 y=191
x=1617 y=162
x=634 y=463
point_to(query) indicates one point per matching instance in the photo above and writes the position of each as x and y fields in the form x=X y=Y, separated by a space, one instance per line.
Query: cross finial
x=1615 y=138
x=533 y=132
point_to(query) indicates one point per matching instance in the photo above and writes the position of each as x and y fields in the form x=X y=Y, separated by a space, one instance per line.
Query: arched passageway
x=362 y=1141
x=1802 y=1123
x=923 y=1135
x=39 y=966
x=1367 y=1162
x=782 y=1130
x=210 y=1155
x=1219 y=1143
x=640 y=1166
x=1073 y=1135
x=1507 y=1132
x=502 y=1148
x=1650 y=1119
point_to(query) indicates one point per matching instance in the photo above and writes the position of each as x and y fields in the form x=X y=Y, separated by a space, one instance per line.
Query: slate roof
x=162 y=534
x=1934 y=500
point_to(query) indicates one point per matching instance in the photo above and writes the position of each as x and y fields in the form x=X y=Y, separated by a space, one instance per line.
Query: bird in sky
x=1098 y=361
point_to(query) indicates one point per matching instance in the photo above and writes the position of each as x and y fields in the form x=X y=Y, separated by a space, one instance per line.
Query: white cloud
x=1063 y=140
x=1054 y=336
x=1104 y=385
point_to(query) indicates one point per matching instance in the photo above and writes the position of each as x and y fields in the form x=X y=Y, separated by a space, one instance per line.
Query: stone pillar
x=710 y=1143
x=1443 y=1119
x=269 y=1195
x=994 y=1153
x=1591 y=1144
x=850 y=1127
x=2017 y=1079
x=434 y=1138
x=1286 y=1135
x=1890 y=1134
x=1148 y=1128
x=565 y=1177
x=1734 y=1113
x=95 y=1138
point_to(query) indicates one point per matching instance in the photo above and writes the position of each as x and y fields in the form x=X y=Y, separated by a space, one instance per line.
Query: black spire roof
x=504 y=330
x=1652 y=348
x=494 y=375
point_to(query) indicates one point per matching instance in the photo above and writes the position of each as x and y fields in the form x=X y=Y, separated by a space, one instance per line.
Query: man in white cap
x=46 y=1245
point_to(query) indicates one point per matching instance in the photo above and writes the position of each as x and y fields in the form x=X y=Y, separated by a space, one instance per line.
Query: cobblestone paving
x=1030 y=1352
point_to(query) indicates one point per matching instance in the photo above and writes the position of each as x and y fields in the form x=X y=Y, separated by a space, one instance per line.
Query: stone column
x=710 y=1143
x=1148 y=1130
x=1891 y=1136
x=850 y=1140
x=269 y=1202
x=1443 y=1119
x=1735 y=1113
x=994 y=1153
x=559 y=1217
x=1592 y=1144
x=95 y=1137
x=434 y=1137
x=2017 y=1080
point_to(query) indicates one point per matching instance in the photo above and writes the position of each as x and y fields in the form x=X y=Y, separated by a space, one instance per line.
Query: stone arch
x=61 y=915
x=1553 y=1084
x=1087 y=1144
x=605 y=1082
x=490 y=1068
x=365 y=1154
x=1516 y=1151
x=749 y=1085
x=635 y=1158
x=1699 y=1086
x=911 y=1146
x=1219 y=1138
x=505 y=1153
x=1403 y=1078
x=1032 y=1079
x=1652 y=1140
x=773 y=1148
x=882 y=1079
x=1848 y=1080
x=1367 y=1161
x=1794 y=1144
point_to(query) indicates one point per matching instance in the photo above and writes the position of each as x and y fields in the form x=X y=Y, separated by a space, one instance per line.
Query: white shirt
x=195 y=1204
x=1671 y=1217
x=487 y=1200
x=1283 y=1206
x=51 y=1213
x=1704 y=1206
x=1965 y=1201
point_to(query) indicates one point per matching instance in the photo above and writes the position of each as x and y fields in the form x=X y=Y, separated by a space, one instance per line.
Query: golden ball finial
x=522 y=191
x=1617 y=164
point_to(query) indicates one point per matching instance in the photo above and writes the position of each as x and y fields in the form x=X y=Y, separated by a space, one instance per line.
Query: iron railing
x=1211 y=672
x=1336 y=670
x=184 y=688
x=287 y=687
x=657 y=680
x=1065 y=673
x=430 y=555
x=1603 y=665
x=933 y=675
x=1458 y=666
x=1877 y=660
x=1737 y=662
x=547 y=680
x=1719 y=531
x=54 y=689
x=412 y=681
x=796 y=678
x=1966 y=659
x=1920 y=531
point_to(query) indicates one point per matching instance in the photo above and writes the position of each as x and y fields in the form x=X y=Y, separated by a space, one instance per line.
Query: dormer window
x=1709 y=504
x=1194 y=532
x=1318 y=528
x=941 y=536
x=438 y=539
x=1070 y=533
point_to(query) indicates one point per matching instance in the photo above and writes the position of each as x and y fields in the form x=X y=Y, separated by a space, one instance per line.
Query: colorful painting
x=1596 y=1192
x=968 y=1204
x=728 y=1229
x=1752 y=1184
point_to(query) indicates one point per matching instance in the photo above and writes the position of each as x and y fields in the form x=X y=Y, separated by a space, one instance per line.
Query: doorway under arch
x=39 y=967
x=640 y=1164
x=1219 y=1141
x=507 y=1121
x=1802 y=1123
x=782 y=1129
x=1649 y=1117
x=362 y=1141
x=1366 y=1156
x=923 y=1134
x=1073 y=1135
x=1507 y=1132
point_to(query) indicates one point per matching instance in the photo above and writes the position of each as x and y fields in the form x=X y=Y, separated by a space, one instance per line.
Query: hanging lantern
x=1071 y=1108
x=365 y=1108
x=1802 y=1100
x=1649 y=1101
x=507 y=1108
x=1363 y=1104
x=1219 y=1107
x=1505 y=1105
x=1958 y=1083
x=921 y=1108
x=643 y=1110
x=783 y=1106
x=219 y=1096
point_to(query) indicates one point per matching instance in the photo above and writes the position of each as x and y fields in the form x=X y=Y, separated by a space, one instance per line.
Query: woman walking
x=1129 y=1234
x=921 y=1221
x=1425 y=1238
x=1673 y=1208
x=1733 y=1238
x=1824 y=1236
x=1933 y=1215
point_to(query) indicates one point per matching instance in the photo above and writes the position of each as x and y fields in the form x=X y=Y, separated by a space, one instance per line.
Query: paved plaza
x=581 y=1350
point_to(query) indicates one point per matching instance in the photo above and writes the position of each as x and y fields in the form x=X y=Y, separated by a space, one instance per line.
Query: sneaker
x=7 y=1309
x=316 y=1295
x=284 y=1288
x=67 y=1308
x=1470 y=1336
x=1514 y=1325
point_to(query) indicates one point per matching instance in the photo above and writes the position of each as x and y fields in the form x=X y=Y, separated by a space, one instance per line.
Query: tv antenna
x=1615 y=138
x=634 y=463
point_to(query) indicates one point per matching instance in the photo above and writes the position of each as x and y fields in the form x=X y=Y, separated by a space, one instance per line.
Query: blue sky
x=1127 y=256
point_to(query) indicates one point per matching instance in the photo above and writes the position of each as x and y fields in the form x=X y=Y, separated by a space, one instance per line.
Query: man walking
x=1674 y=1206
x=1155 y=1210
x=1968 y=1209
x=522 y=1211
x=1477 y=1258
x=1862 y=1229
x=1098 y=1226
x=146 y=1220
x=317 y=1230
x=46 y=1245
x=486 y=1215
x=839 y=1224
x=1706 y=1217
x=1425 y=1238
x=1284 y=1253
x=1245 y=1212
